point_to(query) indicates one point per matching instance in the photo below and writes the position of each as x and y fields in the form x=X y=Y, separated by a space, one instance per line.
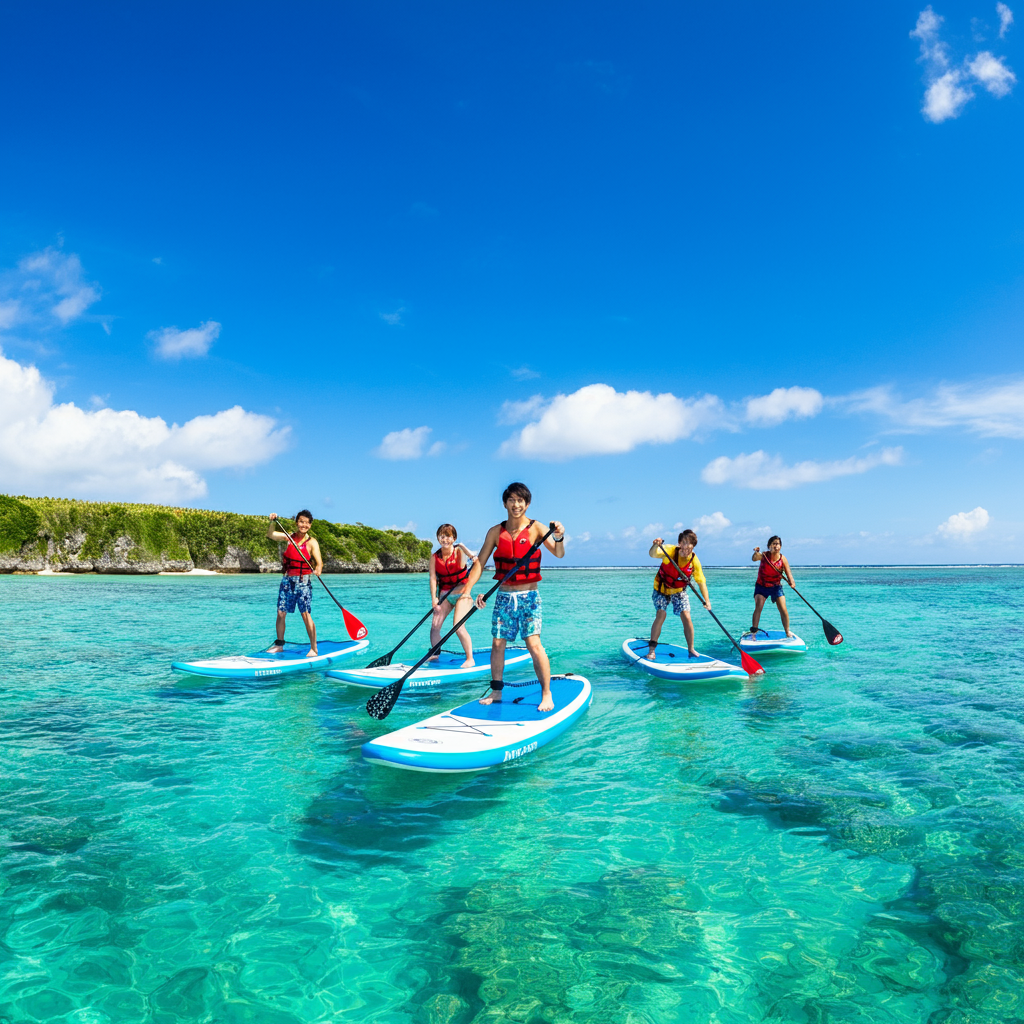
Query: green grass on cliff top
x=180 y=533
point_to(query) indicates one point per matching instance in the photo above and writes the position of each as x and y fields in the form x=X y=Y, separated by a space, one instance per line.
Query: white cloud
x=945 y=98
x=949 y=88
x=408 y=444
x=783 y=403
x=598 y=420
x=712 y=524
x=517 y=412
x=993 y=74
x=46 y=286
x=761 y=472
x=63 y=449
x=964 y=525
x=991 y=409
x=191 y=343
x=394 y=319
x=1005 y=19
x=524 y=373
x=933 y=51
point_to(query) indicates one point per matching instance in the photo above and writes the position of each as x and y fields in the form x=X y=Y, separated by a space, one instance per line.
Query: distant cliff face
x=113 y=537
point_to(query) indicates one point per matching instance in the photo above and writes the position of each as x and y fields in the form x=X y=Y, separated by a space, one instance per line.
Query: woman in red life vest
x=678 y=566
x=517 y=607
x=769 y=582
x=449 y=570
x=301 y=552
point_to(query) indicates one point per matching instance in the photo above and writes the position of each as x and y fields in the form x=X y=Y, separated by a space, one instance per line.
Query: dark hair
x=774 y=536
x=519 y=490
x=304 y=512
x=688 y=535
x=446 y=528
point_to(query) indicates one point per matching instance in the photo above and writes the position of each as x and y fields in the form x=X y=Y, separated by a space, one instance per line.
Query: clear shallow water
x=841 y=841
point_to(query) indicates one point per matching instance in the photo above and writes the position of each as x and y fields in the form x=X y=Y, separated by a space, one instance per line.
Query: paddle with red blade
x=380 y=704
x=750 y=666
x=356 y=630
x=832 y=635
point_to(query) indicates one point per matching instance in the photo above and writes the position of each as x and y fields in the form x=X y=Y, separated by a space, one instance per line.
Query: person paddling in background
x=769 y=582
x=296 y=590
x=678 y=565
x=449 y=569
x=517 y=605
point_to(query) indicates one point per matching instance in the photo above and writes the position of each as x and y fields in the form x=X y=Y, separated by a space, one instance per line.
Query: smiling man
x=300 y=559
x=517 y=605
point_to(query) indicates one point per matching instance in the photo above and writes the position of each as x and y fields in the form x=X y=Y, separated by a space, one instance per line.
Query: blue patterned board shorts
x=295 y=591
x=680 y=601
x=515 y=612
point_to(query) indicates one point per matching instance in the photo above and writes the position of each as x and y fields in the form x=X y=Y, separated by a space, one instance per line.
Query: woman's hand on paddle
x=480 y=602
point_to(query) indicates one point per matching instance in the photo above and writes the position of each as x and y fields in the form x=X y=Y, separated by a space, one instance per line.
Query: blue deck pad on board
x=294 y=650
x=519 y=703
x=664 y=652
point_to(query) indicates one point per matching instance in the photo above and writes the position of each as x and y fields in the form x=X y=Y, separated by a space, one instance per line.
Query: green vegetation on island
x=110 y=536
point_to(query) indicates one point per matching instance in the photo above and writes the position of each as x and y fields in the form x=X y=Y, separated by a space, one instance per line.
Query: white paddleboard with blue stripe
x=475 y=736
x=771 y=641
x=674 y=662
x=450 y=667
x=263 y=664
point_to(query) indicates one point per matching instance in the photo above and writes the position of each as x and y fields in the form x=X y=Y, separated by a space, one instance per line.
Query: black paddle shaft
x=385 y=659
x=380 y=704
x=831 y=633
x=743 y=654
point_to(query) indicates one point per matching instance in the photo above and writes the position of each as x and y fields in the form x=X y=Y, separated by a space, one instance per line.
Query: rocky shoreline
x=57 y=535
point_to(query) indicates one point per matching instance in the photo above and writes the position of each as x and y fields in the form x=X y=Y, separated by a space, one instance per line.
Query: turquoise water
x=840 y=841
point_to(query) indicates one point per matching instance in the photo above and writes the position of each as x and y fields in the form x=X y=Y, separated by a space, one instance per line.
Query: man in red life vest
x=773 y=567
x=517 y=607
x=296 y=590
x=678 y=565
x=449 y=569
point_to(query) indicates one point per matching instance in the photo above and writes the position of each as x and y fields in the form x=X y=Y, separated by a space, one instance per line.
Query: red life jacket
x=291 y=561
x=769 y=574
x=509 y=551
x=670 y=579
x=449 y=573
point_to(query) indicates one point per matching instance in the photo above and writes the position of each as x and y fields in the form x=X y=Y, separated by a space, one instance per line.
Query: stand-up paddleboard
x=447 y=668
x=673 y=662
x=771 y=641
x=262 y=664
x=477 y=736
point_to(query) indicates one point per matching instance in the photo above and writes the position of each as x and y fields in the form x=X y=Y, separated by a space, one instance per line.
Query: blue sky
x=752 y=269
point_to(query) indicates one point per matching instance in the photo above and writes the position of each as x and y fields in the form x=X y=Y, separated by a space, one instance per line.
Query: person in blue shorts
x=679 y=566
x=296 y=591
x=773 y=569
x=517 y=606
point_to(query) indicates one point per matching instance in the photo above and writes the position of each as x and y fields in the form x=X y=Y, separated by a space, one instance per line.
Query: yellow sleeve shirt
x=698 y=572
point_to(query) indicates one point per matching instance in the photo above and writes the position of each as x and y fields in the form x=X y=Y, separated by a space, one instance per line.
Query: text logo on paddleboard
x=511 y=755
